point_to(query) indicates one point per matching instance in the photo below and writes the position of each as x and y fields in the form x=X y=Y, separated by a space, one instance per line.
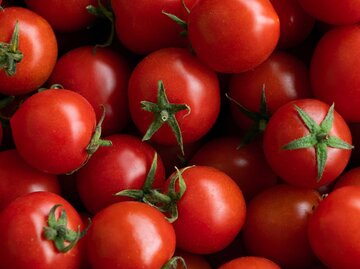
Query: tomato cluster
x=193 y=134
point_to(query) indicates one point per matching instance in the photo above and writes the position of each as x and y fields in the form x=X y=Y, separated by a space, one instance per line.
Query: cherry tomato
x=23 y=242
x=349 y=178
x=193 y=261
x=102 y=80
x=128 y=235
x=250 y=262
x=233 y=36
x=36 y=51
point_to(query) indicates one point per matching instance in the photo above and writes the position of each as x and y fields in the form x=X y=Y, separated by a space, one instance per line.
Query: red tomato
x=332 y=73
x=102 y=80
x=193 y=261
x=64 y=16
x=52 y=129
x=124 y=165
x=19 y=178
x=129 y=235
x=143 y=28
x=276 y=225
x=23 y=222
x=211 y=211
x=186 y=81
x=333 y=229
x=250 y=262
x=38 y=46
x=349 y=178
x=316 y=162
x=233 y=36
x=333 y=11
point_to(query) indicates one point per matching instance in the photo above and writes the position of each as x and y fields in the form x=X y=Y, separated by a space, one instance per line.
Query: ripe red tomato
x=23 y=222
x=250 y=262
x=128 y=235
x=333 y=228
x=124 y=165
x=349 y=178
x=193 y=261
x=323 y=151
x=64 y=16
x=102 y=80
x=233 y=36
x=37 y=45
x=52 y=129
x=276 y=225
x=332 y=73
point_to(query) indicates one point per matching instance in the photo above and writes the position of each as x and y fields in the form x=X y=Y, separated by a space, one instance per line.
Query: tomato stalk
x=10 y=55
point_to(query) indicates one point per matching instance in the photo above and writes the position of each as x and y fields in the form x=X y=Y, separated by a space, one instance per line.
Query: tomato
x=276 y=225
x=332 y=11
x=64 y=16
x=333 y=229
x=349 y=178
x=245 y=165
x=124 y=165
x=187 y=83
x=52 y=129
x=128 y=235
x=37 y=48
x=250 y=262
x=323 y=150
x=193 y=261
x=19 y=178
x=102 y=80
x=143 y=28
x=211 y=211
x=295 y=23
x=332 y=73
x=23 y=242
x=233 y=36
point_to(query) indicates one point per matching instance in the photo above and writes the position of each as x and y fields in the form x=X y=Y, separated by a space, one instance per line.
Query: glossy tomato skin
x=284 y=78
x=298 y=167
x=64 y=16
x=38 y=45
x=333 y=229
x=18 y=178
x=250 y=262
x=22 y=222
x=276 y=225
x=332 y=73
x=102 y=80
x=52 y=129
x=143 y=28
x=233 y=36
x=124 y=165
x=129 y=235
x=211 y=211
x=350 y=177
x=186 y=81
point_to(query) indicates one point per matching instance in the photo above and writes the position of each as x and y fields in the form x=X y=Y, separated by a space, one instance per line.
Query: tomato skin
x=201 y=226
x=186 y=81
x=38 y=44
x=22 y=222
x=276 y=225
x=124 y=165
x=332 y=73
x=333 y=229
x=129 y=235
x=102 y=80
x=52 y=129
x=250 y=262
x=298 y=167
x=350 y=177
x=193 y=261
x=64 y=16
x=233 y=36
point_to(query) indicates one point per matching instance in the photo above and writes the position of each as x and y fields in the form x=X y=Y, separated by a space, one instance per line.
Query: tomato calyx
x=179 y=21
x=164 y=112
x=173 y=263
x=10 y=54
x=318 y=138
x=260 y=119
x=64 y=239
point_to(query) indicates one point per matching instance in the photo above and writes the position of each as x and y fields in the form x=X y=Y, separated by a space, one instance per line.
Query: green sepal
x=178 y=21
x=174 y=262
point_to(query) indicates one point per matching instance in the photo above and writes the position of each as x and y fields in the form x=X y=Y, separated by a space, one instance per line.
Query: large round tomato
x=23 y=242
x=233 y=36
x=250 y=262
x=52 y=129
x=333 y=229
x=129 y=235
x=307 y=143
x=36 y=52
